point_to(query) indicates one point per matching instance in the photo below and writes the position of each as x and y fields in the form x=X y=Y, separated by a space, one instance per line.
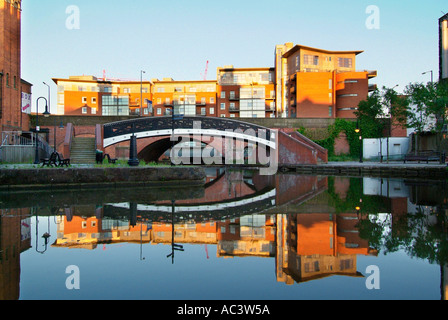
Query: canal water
x=240 y=237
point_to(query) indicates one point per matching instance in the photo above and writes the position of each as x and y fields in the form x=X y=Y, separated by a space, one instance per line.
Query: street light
x=49 y=102
x=432 y=75
x=46 y=114
x=358 y=131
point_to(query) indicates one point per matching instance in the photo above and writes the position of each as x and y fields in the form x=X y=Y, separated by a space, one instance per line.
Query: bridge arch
x=204 y=126
x=276 y=148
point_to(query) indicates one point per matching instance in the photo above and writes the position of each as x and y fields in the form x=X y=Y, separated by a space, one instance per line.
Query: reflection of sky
x=118 y=273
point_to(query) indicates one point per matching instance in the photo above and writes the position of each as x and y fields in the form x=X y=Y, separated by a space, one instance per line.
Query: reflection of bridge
x=155 y=134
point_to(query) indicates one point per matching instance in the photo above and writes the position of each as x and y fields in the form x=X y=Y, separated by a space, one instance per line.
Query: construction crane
x=206 y=71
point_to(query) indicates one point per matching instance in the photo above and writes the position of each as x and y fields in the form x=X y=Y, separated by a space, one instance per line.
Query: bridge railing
x=127 y=127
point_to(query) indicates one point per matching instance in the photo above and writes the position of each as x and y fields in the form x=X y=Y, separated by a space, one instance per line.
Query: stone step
x=83 y=151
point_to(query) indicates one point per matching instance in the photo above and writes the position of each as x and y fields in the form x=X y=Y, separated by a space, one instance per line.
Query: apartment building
x=317 y=83
x=189 y=98
x=305 y=83
x=246 y=92
x=89 y=95
x=443 y=47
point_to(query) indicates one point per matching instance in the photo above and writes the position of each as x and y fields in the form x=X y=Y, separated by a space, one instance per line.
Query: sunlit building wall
x=443 y=38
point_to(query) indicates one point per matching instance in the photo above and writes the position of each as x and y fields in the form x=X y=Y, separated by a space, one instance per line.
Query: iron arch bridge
x=117 y=132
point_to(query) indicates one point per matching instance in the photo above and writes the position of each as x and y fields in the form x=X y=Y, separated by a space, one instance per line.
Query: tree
x=428 y=107
x=369 y=114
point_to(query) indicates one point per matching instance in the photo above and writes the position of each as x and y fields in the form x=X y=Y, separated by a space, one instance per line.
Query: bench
x=113 y=161
x=63 y=161
x=50 y=162
x=424 y=156
x=55 y=160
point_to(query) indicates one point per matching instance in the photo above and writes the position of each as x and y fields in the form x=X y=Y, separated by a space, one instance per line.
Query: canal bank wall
x=383 y=170
x=80 y=178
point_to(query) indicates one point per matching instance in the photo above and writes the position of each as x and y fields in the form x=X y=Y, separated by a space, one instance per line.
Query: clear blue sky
x=175 y=38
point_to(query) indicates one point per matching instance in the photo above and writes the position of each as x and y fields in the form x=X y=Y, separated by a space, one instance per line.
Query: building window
x=223 y=94
x=161 y=89
x=84 y=110
x=7 y=79
x=93 y=100
x=159 y=111
x=311 y=60
x=126 y=90
x=330 y=111
x=232 y=95
x=84 y=99
x=212 y=100
x=345 y=62
x=115 y=106
x=203 y=112
x=15 y=82
x=93 y=110
x=212 y=110
x=223 y=106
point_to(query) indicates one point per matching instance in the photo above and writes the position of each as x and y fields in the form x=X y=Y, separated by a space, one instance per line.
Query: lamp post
x=141 y=92
x=358 y=130
x=49 y=94
x=133 y=160
x=432 y=75
x=46 y=114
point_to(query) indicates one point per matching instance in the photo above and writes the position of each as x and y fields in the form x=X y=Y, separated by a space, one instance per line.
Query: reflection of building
x=15 y=238
x=87 y=233
x=314 y=246
x=249 y=235
x=188 y=232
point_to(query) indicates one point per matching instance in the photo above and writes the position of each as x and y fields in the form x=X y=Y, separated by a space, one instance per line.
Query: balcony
x=234 y=109
x=234 y=98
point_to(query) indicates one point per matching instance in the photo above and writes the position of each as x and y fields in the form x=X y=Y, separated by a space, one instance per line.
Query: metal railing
x=19 y=147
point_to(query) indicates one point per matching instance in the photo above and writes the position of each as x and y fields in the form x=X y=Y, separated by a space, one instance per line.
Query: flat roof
x=298 y=47
x=245 y=69
x=99 y=80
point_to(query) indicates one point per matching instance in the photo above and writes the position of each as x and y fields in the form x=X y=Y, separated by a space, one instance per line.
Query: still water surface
x=241 y=237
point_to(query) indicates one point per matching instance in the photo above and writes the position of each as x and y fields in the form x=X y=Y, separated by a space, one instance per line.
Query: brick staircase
x=83 y=151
